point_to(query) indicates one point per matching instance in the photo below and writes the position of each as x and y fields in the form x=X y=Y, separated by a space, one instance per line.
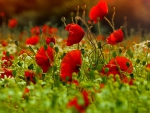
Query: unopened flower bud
x=83 y=7
x=63 y=19
x=148 y=44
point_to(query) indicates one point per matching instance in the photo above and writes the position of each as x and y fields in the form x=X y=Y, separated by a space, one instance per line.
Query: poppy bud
x=106 y=70
x=148 y=44
x=99 y=45
x=16 y=43
x=114 y=54
x=7 y=54
x=82 y=51
x=137 y=61
x=127 y=64
x=120 y=50
x=83 y=7
x=14 y=73
x=45 y=47
x=56 y=49
x=72 y=14
x=143 y=62
x=51 y=44
x=63 y=19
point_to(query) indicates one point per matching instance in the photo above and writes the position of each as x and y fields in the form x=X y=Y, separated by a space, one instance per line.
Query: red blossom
x=49 y=40
x=128 y=81
x=102 y=85
x=30 y=76
x=76 y=34
x=113 y=69
x=45 y=58
x=26 y=93
x=122 y=62
x=26 y=90
x=53 y=30
x=12 y=23
x=73 y=82
x=45 y=29
x=118 y=65
x=35 y=30
x=100 y=38
x=80 y=107
x=86 y=98
x=4 y=43
x=99 y=10
x=70 y=63
x=25 y=51
x=2 y=14
x=148 y=65
x=6 y=72
x=74 y=103
x=32 y=40
x=7 y=60
x=115 y=37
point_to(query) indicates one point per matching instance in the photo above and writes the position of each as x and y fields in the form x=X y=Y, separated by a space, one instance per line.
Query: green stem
x=99 y=28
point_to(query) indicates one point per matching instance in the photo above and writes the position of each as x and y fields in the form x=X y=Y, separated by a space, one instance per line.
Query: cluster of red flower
x=72 y=61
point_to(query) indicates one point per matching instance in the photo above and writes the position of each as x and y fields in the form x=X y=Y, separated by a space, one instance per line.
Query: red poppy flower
x=99 y=10
x=102 y=85
x=73 y=82
x=45 y=29
x=100 y=38
x=7 y=60
x=2 y=14
x=53 y=30
x=128 y=81
x=120 y=62
x=4 y=43
x=76 y=34
x=30 y=76
x=45 y=58
x=115 y=37
x=148 y=66
x=49 y=40
x=35 y=30
x=25 y=51
x=26 y=93
x=32 y=40
x=26 y=90
x=113 y=69
x=12 y=23
x=80 y=107
x=6 y=72
x=74 y=103
x=70 y=63
x=86 y=98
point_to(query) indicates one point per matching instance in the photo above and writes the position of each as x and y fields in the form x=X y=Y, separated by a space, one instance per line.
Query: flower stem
x=113 y=16
x=109 y=23
x=99 y=27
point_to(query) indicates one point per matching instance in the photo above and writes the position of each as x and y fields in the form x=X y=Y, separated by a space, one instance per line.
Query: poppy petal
x=70 y=63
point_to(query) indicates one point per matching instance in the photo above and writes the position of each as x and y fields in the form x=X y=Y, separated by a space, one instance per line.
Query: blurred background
x=40 y=12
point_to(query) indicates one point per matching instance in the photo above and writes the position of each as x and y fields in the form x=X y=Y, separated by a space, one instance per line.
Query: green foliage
x=129 y=52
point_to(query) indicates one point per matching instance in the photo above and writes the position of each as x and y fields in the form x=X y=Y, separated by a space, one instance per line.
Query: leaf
x=14 y=73
x=129 y=52
x=30 y=66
